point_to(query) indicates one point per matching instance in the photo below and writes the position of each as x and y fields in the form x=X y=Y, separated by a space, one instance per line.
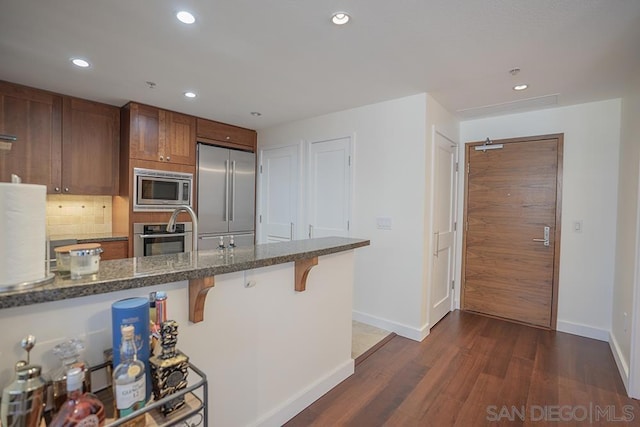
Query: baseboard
x=400 y=329
x=583 y=330
x=306 y=397
x=620 y=361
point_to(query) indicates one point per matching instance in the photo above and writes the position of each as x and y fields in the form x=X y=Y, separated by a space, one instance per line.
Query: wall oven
x=156 y=190
x=153 y=239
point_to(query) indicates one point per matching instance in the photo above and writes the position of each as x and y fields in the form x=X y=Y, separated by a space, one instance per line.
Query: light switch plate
x=383 y=223
x=577 y=226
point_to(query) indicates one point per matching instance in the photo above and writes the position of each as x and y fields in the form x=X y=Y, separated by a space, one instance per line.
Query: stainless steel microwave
x=156 y=190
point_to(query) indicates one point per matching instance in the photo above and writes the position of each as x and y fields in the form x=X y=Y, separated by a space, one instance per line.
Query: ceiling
x=285 y=59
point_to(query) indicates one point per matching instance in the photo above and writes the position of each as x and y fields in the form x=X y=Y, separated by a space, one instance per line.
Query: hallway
x=474 y=370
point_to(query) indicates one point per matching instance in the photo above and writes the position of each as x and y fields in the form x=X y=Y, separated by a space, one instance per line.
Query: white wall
x=627 y=235
x=590 y=179
x=389 y=181
x=268 y=351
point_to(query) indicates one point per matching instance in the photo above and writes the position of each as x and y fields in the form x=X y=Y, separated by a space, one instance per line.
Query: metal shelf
x=194 y=404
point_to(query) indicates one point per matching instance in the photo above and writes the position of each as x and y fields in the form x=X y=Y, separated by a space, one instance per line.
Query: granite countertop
x=130 y=273
x=90 y=237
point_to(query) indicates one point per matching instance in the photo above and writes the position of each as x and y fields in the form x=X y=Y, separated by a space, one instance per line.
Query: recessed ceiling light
x=185 y=17
x=190 y=94
x=256 y=113
x=79 y=62
x=520 y=87
x=340 y=18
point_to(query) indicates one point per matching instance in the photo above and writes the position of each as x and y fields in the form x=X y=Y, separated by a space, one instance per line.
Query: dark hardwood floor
x=474 y=371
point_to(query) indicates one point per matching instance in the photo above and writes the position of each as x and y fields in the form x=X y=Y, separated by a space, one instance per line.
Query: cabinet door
x=144 y=139
x=226 y=135
x=90 y=145
x=115 y=249
x=179 y=142
x=34 y=117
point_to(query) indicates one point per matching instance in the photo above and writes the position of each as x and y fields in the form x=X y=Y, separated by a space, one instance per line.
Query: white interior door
x=443 y=226
x=329 y=189
x=279 y=194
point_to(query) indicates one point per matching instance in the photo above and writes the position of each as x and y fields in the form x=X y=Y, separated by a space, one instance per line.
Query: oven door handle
x=144 y=236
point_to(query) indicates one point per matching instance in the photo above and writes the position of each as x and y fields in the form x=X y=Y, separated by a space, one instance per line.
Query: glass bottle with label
x=81 y=409
x=129 y=379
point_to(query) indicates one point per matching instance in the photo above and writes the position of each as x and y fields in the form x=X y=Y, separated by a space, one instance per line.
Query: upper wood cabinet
x=68 y=144
x=161 y=136
x=90 y=145
x=226 y=135
x=34 y=118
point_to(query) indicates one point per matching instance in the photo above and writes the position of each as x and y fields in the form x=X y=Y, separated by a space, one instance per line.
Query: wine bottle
x=80 y=409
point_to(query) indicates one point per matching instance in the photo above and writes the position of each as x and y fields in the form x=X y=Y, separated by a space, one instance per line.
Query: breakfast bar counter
x=130 y=273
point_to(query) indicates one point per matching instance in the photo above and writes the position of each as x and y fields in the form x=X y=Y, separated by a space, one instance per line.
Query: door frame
x=556 y=247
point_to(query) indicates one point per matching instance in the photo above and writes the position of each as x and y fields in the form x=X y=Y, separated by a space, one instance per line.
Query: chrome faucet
x=171 y=226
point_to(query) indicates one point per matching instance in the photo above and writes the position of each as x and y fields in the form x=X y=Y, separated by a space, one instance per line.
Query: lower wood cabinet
x=114 y=249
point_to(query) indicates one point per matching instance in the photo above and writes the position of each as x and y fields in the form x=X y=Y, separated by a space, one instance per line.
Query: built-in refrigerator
x=226 y=196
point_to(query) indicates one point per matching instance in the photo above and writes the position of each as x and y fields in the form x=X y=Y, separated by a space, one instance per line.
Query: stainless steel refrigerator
x=226 y=196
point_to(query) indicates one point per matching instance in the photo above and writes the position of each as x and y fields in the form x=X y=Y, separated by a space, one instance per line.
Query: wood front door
x=512 y=194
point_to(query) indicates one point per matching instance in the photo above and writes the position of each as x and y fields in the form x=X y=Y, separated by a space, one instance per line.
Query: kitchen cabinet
x=34 y=118
x=68 y=144
x=114 y=249
x=90 y=146
x=226 y=135
x=161 y=136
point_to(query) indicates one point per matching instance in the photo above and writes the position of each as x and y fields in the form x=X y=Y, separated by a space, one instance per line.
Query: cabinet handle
x=66 y=189
x=57 y=189
x=228 y=138
x=161 y=158
x=168 y=158
x=10 y=138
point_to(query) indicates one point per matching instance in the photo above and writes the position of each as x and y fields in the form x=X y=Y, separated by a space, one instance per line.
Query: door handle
x=233 y=190
x=545 y=240
x=226 y=190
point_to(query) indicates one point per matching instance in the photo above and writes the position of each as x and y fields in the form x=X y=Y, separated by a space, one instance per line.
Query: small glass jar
x=69 y=354
x=85 y=259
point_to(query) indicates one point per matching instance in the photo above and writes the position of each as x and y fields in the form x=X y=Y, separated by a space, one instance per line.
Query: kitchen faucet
x=171 y=226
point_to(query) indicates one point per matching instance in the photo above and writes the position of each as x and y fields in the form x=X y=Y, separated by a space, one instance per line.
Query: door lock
x=545 y=240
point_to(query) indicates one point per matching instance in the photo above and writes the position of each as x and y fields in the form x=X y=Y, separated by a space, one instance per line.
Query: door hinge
x=349 y=160
x=260 y=168
x=457 y=166
x=455 y=226
x=260 y=219
x=347 y=225
x=466 y=226
x=453 y=284
x=468 y=166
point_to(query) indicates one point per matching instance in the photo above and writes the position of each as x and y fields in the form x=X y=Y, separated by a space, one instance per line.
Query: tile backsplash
x=75 y=215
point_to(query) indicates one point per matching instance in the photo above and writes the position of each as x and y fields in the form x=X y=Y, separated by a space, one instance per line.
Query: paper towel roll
x=23 y=210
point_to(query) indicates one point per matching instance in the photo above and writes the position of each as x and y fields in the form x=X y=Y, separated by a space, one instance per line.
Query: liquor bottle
x=69 y=354
x=129 y=379
x=169 y=368
x=81 y=409
x=160 y=316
